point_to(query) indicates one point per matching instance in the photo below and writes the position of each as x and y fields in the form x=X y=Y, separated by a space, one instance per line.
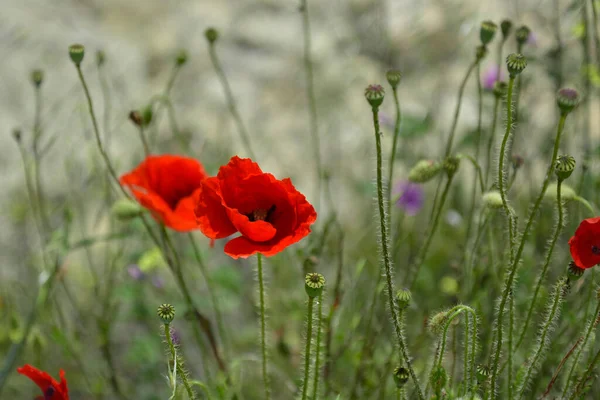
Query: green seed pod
x=125 y=209
x=487 y=31
x=567 y=99
x=375 y=95
x=483 y=372
x=481 y=52
x=506 y=26
x=181 y=58
x=400 y=377
x=76 y=52
x=574 y=272
x=424 y=171
x=147 y=114
x=393 y=77
x=314 y=284
x=211 y=35
x=522 y=34
x=515 y=64
x=451 y=165
x=500 y=89
x=404 y=298
x=37 y=77
x=565 y=165
x=438 y=378
x=166 y=313
x=492 y=199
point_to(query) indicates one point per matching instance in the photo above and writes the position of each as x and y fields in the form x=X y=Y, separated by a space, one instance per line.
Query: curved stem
x=318 y=349
x=585 y=376
x=176 y=359
x=263 y=340
x=393 y=154
x=392 y=305
x=309 y=317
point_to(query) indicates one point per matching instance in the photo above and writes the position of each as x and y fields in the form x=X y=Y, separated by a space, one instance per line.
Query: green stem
x=180 y=370
x=585 y=376
x=393 y=153
x=310 y=92
x=307 y=357
x=144 y=141
x=39 y=192
x=263 y=340
x=547 y=260
x=491 y=140
x=315 y=392
x=511 y=329
x=551 y=317
x=231 y=101
x=392 y=306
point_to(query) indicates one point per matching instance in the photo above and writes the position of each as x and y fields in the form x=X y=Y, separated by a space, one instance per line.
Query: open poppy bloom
x=51 y=389
x=269 y=214
x=585 y=244
x=167 y=185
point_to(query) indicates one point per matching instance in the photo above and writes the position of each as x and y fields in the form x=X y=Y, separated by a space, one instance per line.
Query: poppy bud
x=313 y=284
x=17 y=134
x=424 y=171
x=487 y=31
x=515 y=64
x=522 y=34
x=100 y=58
x=574 y=272
x=400 y=377
x=492 y=199
x=393 y=77
x=567 y=99
x=404 y=297
x=374 y=95
x=125 y=209
x=438 y=378
x=166 y=313
x=567 y=193
x=480 y=52
x=565 y=165
x=506 y=26
x=76 y=52
x=181 y=58
x=211 y=35
x=136 y=117
x=436 y=323
x=483 y=372
x=500 y=88
x=37 y=77
x=451 y=165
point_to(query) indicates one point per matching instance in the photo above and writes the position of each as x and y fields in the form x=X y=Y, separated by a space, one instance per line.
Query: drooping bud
x=314 y=284
x=565 y=165
x=404 y=298
x=515 y=63
x=136 y=117
x=522 y=34
x=375 y=95
x=567 y=193
x=492 y=199
x=166 y=313
x=438 y=378
x=436 y=323
x=451 y=165
x=211 y=35
x=574 y=272
x=17 y=134
x=400 y=377
x=76 y=52
x=424 y=171
x=100 y=58
x=567 y=99
x=506 y=26
x=487 y=31
x=500 y=88
x=181 y=58
x=481 y=52
x=125 y=209
x=37 y=77
x=393 y=77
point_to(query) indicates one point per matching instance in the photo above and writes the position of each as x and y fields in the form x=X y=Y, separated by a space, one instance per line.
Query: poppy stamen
x=261 y=214
x=596 y=250
x=49 y=393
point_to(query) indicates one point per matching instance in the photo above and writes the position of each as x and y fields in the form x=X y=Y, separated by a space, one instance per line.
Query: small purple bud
x=135 y=272
x=175 y=336
x=490 y=76
x=158 y=282
x=411 y=197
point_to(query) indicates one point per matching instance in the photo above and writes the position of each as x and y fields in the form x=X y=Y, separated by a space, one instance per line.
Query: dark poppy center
x=49 y=393
x=261 y=214
x=596 y=250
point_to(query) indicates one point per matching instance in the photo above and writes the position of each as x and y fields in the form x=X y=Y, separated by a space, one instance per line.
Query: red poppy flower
x=585 y=244
x=167 y=185
x=269 y=214
x=51 y=389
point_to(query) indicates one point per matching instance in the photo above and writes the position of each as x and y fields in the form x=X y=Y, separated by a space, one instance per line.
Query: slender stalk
x=511 y=329
x=37 y=133
x=307 y=356
x=310 y=92
x=166 y=94
x=231 y=104
x=393 y=153
x=586 y=376
x=144 y=141
x=263 y=340
x=491 y=140
x=392 y=305
x=175 y=358
x=315 y=392
x=547 y=260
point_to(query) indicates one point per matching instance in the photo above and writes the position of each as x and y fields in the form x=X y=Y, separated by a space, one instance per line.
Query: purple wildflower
x=411 y=197
x=490 y=76
x=135 y=272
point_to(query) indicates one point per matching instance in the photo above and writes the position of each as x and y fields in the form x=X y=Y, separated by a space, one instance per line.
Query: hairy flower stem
x=586 y=376
x=511 y=329
x=549 y=252
x=491 y=140
x=307 y=355
x=310 y=93
x=551 y=317
x=317 y=372
x=243 y=132
x=180 y=371
x=517 y=256
x=393 y=154
x=387 y=266
x=263 y=328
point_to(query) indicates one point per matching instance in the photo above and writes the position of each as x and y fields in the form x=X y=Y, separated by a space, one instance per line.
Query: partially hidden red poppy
x=167 y=186
x=585 y=244
x=270 y=214
x=51 y=389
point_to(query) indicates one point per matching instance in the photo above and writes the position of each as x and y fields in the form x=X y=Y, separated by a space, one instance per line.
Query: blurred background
x=260 y=47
